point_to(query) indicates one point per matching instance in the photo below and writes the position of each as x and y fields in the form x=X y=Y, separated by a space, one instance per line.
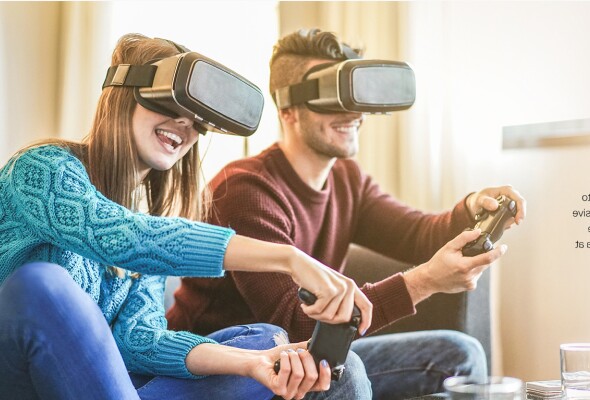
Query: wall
x=29 y=74
x=517 y=63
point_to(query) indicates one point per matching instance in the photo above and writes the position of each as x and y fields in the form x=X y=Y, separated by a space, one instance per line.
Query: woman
x=82 y=271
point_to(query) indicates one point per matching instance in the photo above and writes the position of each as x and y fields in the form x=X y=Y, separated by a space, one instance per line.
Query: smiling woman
x=161 y=141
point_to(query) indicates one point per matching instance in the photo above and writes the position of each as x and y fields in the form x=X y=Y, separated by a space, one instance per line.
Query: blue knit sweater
x=49 y=211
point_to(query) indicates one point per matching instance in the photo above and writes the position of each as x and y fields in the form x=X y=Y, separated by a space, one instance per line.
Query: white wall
x=29 y=75
x=516 y=63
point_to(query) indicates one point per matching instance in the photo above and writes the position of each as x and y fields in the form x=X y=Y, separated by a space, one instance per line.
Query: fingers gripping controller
x=330 y=342
x=492 y=225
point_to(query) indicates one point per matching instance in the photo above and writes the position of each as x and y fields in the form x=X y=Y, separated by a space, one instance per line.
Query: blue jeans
x=412 y=364
x=56 y=344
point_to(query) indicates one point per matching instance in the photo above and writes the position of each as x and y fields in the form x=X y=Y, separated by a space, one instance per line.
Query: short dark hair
x=292 y=52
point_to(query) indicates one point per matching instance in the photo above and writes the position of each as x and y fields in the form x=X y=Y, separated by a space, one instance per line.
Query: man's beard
x=315 y=138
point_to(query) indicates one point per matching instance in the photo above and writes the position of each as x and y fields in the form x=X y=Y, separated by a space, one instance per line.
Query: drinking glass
x=575 y=370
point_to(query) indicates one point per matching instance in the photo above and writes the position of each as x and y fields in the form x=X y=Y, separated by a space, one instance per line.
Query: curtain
x=49 y=84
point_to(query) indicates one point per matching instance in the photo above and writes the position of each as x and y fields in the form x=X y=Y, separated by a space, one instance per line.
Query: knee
x=354 y=383
x=469 y=353
x=271 y=334
x=38 y=282
x=38 y=271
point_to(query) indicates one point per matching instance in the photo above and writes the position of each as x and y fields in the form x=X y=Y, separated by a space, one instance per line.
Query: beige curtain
x=51 y=55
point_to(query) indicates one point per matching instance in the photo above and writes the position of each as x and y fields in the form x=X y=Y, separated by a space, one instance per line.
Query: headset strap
x=298 y=93
x=130 y=75
x=306 y=90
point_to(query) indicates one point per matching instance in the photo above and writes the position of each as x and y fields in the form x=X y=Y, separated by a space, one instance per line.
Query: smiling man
x=306 y=191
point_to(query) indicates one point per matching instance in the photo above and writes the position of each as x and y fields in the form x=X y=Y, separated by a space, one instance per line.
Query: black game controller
x=491 y=224
x=330 y=342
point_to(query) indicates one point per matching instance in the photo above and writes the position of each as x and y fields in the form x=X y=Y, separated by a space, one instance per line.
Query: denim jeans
x=412 y=364
x=56 y=344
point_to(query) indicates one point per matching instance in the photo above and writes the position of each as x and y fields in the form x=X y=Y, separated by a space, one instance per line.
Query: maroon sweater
x=263 y=197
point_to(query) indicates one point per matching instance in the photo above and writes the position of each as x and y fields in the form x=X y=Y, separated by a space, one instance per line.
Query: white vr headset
x=194 y=86
x=364 y=86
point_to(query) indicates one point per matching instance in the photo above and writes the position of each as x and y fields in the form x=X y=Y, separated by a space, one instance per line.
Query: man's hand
x=448 y=271
x=486 y=199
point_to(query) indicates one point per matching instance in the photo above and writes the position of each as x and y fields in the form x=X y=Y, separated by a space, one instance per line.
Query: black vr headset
x=193 y=86
x=354 y=85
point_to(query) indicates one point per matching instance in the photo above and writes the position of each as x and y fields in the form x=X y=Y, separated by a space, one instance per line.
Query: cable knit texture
x=49 y=211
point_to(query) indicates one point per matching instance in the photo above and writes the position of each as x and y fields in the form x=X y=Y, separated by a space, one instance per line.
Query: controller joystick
x=492 y=225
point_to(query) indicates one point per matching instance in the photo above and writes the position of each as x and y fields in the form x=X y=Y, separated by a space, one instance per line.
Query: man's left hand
x=486 y=199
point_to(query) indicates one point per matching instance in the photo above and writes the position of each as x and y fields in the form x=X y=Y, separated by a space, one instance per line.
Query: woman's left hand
x=298 y=375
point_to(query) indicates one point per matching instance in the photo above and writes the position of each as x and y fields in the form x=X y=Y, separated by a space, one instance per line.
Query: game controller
x=329 y=342
x=492 y=225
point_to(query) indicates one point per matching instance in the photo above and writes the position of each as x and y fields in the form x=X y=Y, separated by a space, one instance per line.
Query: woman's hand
x=335 y=293
x=298 y=375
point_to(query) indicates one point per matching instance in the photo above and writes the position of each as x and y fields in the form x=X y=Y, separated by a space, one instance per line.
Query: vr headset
x=364 y=86
x=194 y=86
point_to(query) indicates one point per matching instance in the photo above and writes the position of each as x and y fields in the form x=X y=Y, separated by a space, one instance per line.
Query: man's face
x=330 y=135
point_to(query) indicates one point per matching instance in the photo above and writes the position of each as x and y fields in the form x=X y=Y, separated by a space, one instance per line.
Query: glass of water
x=575 y=370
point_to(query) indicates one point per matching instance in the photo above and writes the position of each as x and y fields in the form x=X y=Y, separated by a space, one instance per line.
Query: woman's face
x=161 y=141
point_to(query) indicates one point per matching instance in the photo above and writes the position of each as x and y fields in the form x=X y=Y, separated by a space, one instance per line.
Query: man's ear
x=289 y=115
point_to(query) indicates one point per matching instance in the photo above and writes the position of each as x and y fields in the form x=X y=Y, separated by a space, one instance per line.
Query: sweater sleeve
x=406 y=234
x=56 y=202
x=140 y=332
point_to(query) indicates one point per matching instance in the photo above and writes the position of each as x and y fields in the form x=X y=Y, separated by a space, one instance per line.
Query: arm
x=148 y=348
x=396 y=230
x=271 y=297
x=54 y=198
x=298 y=375
x=140 y=331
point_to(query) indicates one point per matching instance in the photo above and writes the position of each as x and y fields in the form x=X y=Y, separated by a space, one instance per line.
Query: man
x=307 y=192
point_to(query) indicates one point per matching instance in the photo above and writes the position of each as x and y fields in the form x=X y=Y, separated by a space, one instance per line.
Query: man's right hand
x=448 y=271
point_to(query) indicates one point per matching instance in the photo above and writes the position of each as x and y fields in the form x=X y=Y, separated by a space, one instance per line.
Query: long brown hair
x=109 y=151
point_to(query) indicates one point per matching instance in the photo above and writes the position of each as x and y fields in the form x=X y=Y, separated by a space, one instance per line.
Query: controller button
x=487 y=245
x=512 y=205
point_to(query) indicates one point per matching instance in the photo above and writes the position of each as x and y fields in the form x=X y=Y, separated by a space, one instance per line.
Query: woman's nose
x=184 y=121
